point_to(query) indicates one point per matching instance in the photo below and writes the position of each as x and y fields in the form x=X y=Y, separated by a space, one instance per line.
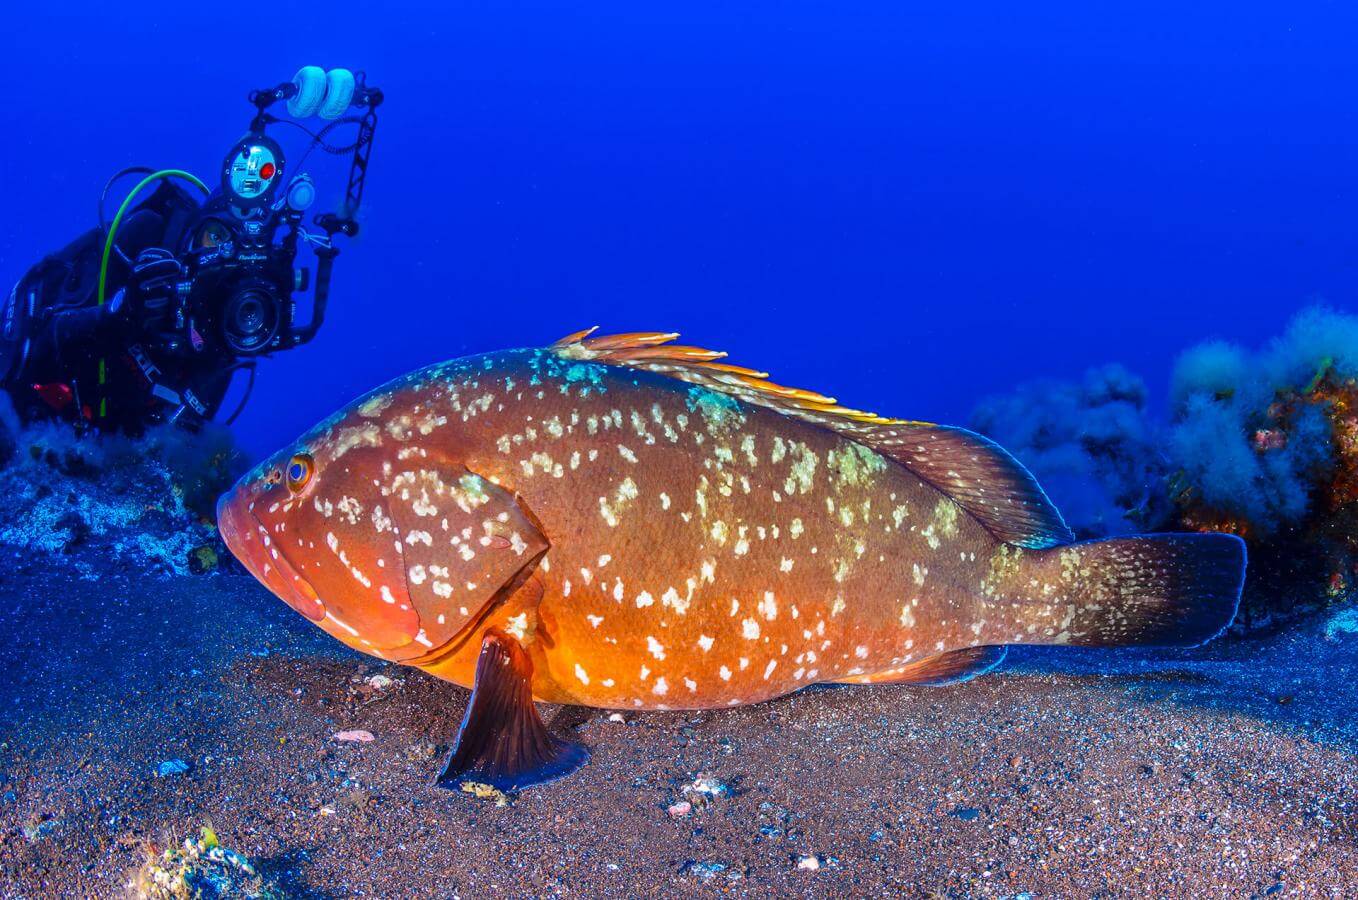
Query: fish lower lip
x=288 y=580
x=285 y=581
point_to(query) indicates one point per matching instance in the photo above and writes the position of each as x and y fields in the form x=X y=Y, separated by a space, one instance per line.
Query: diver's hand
x=150 y=294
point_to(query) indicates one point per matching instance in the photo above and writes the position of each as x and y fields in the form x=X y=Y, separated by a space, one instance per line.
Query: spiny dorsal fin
x=654 y=352
x=978 y=474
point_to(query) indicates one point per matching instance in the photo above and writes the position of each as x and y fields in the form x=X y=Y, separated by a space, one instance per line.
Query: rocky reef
x=145 y=503
x=200 y=868
x=1260 y=443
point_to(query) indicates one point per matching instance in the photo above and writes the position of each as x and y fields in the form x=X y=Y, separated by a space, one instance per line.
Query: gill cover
x=465 y=542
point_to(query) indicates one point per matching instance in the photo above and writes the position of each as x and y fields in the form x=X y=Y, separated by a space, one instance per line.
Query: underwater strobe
x=190 y=291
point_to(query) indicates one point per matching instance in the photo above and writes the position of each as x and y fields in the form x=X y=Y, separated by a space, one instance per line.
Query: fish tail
x=1158 y=590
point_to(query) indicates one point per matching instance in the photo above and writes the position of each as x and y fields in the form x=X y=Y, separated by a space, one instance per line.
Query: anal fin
x=503 y=741
x=945 y=668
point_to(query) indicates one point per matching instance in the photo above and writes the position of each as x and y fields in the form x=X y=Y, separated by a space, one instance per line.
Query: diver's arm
x=69 y=338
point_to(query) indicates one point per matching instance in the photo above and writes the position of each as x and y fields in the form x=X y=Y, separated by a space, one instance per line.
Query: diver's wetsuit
x=55 y=339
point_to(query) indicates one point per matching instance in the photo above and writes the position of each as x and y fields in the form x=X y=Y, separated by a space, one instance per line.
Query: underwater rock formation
x=1265 y=445
x=1090 y=444
x=201 y=869
x=146 y=501
x=1262 y=444
x=1263 y=441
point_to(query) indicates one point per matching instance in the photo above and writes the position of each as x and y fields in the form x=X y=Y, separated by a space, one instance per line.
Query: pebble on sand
x=680 y=809
x=809 y=863
x=706 y=787
x=171 y=767
x=357 y=735
x=705 y=869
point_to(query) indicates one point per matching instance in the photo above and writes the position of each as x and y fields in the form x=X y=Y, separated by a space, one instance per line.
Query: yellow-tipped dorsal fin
x=977 y=474
x=655 y=351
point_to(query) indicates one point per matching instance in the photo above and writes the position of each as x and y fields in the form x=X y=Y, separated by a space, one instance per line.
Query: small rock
x=357 y=735
x=705 y=870
x=966 y=813
x=380 y=682
x=1343 y=622
x=809 y=863
x=202 y=559
x=617 y=717
x=36 y=829
x=680 y=809
x=486 y=792
x=421 y=751
x=706 y=788
x=171 y=767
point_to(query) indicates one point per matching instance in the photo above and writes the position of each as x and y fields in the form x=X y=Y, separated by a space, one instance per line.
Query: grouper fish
x=626 y=523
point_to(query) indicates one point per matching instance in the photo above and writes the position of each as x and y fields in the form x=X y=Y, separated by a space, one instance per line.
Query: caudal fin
x=1158 y=590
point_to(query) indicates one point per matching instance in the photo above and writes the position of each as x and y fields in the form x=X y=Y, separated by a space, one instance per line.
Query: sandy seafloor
x=1228 y=772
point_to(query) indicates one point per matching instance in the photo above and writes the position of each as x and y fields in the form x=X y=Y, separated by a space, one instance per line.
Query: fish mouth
x=248 y=540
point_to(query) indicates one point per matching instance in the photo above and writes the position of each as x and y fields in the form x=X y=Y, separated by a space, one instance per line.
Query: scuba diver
x=148 y=317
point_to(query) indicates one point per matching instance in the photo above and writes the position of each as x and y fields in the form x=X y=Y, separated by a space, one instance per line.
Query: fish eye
x=300 y=470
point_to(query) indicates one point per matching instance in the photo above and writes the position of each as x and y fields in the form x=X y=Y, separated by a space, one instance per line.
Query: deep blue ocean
x=909 y=206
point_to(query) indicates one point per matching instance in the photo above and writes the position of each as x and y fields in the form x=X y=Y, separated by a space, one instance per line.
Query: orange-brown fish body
x=705 y=552
x=660 y=531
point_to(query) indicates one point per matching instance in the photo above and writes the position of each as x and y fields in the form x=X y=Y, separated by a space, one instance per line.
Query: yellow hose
x=108 y=250
x=118 y=219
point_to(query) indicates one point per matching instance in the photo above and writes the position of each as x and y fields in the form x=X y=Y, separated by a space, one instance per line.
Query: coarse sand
x=1224 y=772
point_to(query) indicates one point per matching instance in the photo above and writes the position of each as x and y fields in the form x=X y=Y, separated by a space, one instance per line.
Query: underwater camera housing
x=126 y=350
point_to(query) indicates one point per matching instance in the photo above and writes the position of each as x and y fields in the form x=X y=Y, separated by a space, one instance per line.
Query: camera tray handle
x=320 y=293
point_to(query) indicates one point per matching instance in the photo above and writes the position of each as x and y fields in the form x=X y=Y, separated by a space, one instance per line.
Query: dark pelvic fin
x=502 y=741
x=980 y=475
x=945 y=668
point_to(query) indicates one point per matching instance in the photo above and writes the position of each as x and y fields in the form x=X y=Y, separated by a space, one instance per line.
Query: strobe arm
x=325 y=262
x=358 y=172
x=363 y=96
x=266 y=97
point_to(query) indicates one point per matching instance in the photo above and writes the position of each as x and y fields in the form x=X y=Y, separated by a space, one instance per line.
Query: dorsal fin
x=988 y=483
x=980 y=475
x=654 y=352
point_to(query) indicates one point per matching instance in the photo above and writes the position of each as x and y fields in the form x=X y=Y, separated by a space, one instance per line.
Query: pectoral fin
x=945 y=668
x=503 y=742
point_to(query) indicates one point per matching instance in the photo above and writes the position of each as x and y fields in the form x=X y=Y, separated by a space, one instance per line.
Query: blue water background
x=906 y=205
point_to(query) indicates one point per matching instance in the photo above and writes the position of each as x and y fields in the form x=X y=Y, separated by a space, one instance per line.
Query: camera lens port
x=250 y=318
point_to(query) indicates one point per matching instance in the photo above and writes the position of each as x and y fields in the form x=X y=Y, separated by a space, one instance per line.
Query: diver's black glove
x=149 y=298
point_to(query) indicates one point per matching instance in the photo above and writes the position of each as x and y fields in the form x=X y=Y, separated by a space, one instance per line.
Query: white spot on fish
x=655 y=647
